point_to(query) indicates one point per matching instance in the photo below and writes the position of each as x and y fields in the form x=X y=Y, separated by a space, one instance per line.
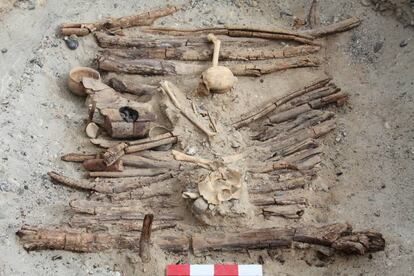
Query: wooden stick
x=114 y=153
x=204 y=163
x=134 y=88
x=112 y=63
x=143 y=19
x=274 y=33
x=204 y=53
x=313 y=19
x=276 y=102
x=253 y=239
x=107 y=186
x=143 y=162
x=129 y=173
x=266 y=168
x=338 y=236
x=150 y=139
x=77 y=157
x=145 y=239
x=169 y=88
x=286 y=211
x=151 y=145
x=34 y=238
x=298 y=183
x=98 y=164
x=338 y=27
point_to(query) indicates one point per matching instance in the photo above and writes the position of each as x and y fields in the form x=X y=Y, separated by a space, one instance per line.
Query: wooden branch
x=205 y=53
x=145 y=239
x=34 y=238
x=112 y=63
x=276 y=102
x=129 y=173
x=338 y=27
x=114 y=153
x=107 y=186
x=274 y=33
x=151 y=145
x=143 y=19
x=77 y=157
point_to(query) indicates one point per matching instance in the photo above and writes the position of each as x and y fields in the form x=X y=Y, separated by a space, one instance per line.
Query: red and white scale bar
x=214 y=270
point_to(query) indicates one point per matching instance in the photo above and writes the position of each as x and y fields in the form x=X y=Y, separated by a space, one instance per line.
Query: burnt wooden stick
x=145 y=239
x=77 y=157
x=298 y=183
x=151 y=145
x=274 y=33
x=150 y=139
x=135 y=88
x=112 y=63
x=143 y=19
x=107 y=186
x=276 y=102
x=129 y=173
x=205 y=53
x=98 y=164
x=112 y=154
x=285 y=211
x=34 y=238
x=252 y=239
x=338 y=27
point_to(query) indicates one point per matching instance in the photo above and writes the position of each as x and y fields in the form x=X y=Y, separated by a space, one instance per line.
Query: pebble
x=190 y=150
x=365 y=3
x=4 y=50
x=378 y=46
x=71 y=41
x=387 y=125
x=403 y=43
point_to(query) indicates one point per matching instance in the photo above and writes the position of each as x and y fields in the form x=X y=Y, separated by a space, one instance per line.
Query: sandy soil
x=368 y=166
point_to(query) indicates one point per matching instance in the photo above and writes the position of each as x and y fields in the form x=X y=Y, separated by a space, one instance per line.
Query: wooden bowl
x=75 y=79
